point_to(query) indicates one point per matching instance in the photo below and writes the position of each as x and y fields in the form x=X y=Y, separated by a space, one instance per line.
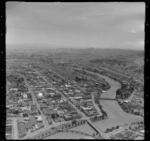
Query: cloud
x=137 y=44
x=140 y=43
x=138 y=27
x=78 y=24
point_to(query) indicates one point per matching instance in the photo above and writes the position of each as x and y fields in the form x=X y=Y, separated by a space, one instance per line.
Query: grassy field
x=85 y=128
x=65 y=136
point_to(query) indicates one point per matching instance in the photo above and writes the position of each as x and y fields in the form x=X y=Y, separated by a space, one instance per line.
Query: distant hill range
x=73 y=52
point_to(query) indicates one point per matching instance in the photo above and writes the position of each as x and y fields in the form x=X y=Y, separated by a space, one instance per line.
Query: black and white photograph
x=75 y=70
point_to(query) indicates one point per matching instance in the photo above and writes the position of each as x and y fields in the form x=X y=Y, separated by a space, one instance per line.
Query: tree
x=117 y=127
x=112 y=128
x=94 y=134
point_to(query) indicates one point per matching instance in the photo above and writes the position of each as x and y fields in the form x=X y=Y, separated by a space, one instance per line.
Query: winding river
x=116 y=115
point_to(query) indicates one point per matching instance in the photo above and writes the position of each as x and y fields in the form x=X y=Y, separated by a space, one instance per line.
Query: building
x=67 y=117
x=79 y=97
x=38 y=118
x=24 y=95
x=87 y=108
x=76 y=116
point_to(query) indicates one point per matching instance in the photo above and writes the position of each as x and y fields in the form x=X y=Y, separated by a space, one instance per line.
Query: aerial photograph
x=75 y=70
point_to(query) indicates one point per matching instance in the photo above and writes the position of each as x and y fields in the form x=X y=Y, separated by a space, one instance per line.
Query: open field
x=65 y=136
x=84 y=128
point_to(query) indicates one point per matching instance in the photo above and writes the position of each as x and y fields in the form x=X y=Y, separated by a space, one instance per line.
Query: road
x=45 y=122
x=96 y=106
x=108 y=99
x=15 y=128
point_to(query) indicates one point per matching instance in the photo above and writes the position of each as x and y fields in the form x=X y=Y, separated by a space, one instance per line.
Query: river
x=116 y=116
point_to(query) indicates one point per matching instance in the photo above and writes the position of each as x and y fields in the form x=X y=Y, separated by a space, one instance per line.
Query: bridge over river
x=108 y=99
x=116 y=116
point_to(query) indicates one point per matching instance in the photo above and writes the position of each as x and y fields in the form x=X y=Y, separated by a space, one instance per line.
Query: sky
x=82 y=25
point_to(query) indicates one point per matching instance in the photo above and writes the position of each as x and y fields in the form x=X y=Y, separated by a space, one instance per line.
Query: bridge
x=108 y=99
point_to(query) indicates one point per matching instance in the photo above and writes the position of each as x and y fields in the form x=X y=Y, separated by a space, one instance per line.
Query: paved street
x=15 y=128
x=46 y=125
x=96 y=106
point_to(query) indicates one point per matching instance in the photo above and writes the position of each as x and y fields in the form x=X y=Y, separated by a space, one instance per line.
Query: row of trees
x=125 y=91
x=111 y=129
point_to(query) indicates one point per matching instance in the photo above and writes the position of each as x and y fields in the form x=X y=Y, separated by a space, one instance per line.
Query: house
x=24 y=95
x=67 y=117
x=76 y=116
x=78 y=91
x=38 y=118
x=87 y=108
x=67 y=86
x=79 y=97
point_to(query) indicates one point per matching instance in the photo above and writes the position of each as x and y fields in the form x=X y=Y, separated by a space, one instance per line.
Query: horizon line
x=70 y=47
